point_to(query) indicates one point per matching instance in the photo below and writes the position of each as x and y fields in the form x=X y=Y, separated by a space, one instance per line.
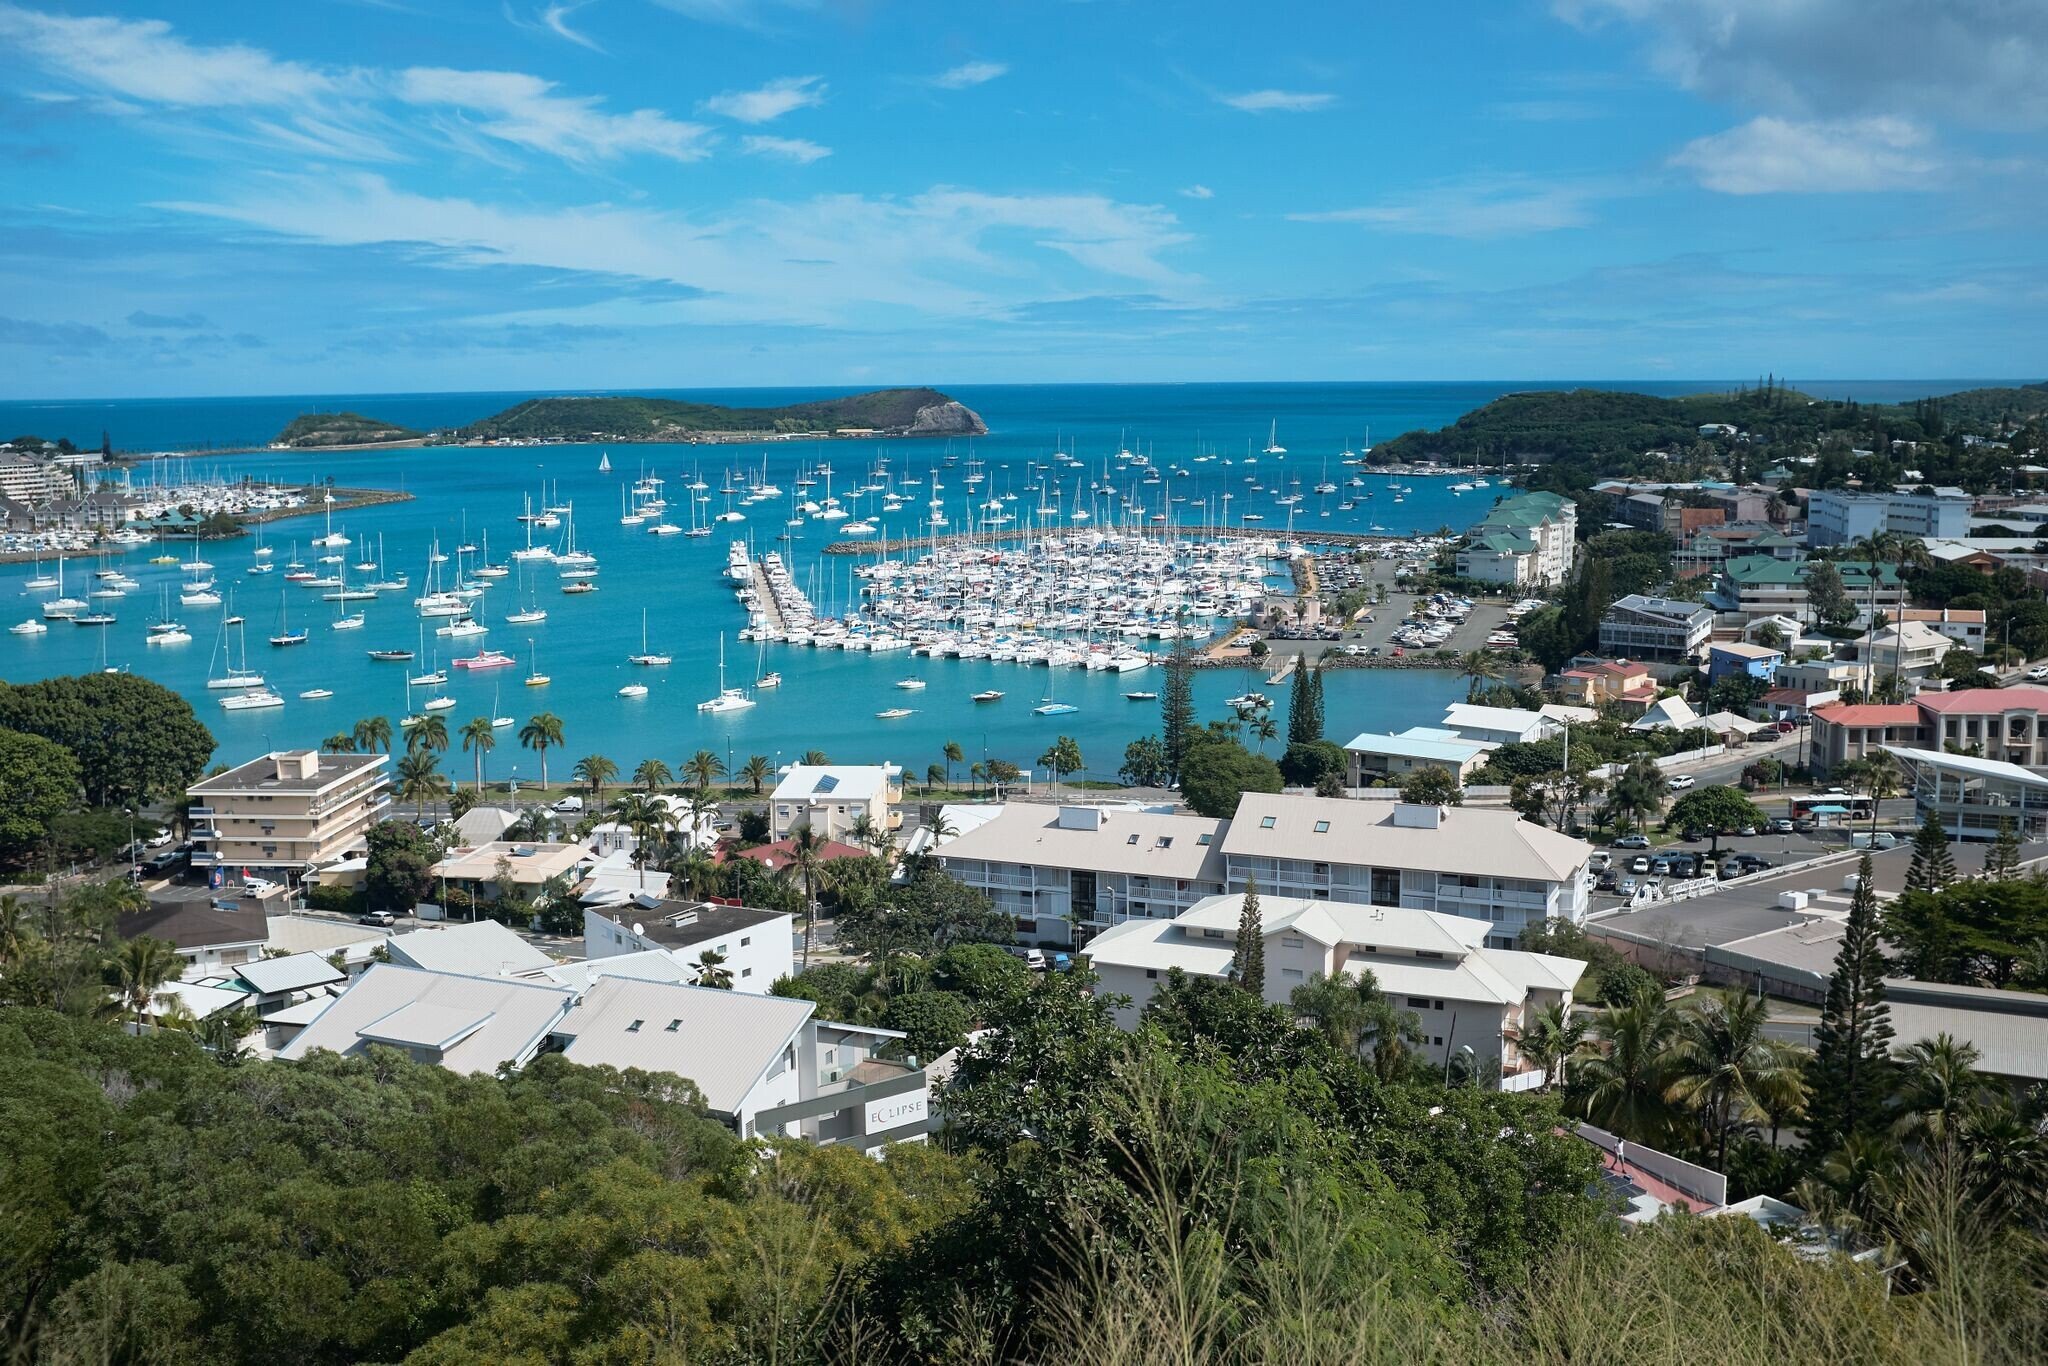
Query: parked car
x=1661 y=866
x=1747 y=832
x=1035 y=959
x=1682 y=782
x=1692 y=834
x=164 y=862
x=1732 y=867
x=2038 y=674
x=1627 y=887
x=1633 y=842
x=376 y=918
x=1684 y=865
x=1639 y=864
x=258 y=886
x=1781 y=826
x=1785 y=727
x=572 y=806
x=160 y=839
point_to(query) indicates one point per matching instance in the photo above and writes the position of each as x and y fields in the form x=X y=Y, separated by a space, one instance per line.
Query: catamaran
x=728 y=699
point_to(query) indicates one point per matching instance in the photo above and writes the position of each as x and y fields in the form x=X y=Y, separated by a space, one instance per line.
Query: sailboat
x=604 y=463
x=728 y=699
x=1047 y=707
x=645 y=656
x=232 y=675
x=536 y=679
x=498 y=722
x=285 y=634
x=1273 y=446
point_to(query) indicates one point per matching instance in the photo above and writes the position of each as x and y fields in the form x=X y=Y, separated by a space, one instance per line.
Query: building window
x=1133 y=839
x=674 y=1025
x=1027 y=926
x=1418 y=1003
x=1265 y=822
x=1166 y=841
x=1201 y=839
x=1439 y=1005
x=1386 y=886
x=1322 y=827
x=634 y=1028
x=746 y=972
x=1212 y=934
x=1293 y=974
x=1151 y=974
x=1291 y=941
x=1438 y=1041
x=746 y=941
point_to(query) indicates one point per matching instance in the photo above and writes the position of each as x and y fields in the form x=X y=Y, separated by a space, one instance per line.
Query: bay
x=829 y=698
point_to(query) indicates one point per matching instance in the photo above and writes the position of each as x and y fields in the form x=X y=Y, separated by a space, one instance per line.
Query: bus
x=1833 y=808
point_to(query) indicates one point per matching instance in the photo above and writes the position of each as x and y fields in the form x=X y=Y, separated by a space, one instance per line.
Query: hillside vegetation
x=1598 y=423
x=312 y=430
x=907 y=412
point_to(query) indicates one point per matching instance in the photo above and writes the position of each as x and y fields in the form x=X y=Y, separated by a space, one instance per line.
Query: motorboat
x=1141 y=697
x=391 y=656
x=31 y=627
x=633 y=690
x=910 y=684
x=990 y=695
x=893 y=714
x=315 y=694
x=439 y=704
x=255 y=700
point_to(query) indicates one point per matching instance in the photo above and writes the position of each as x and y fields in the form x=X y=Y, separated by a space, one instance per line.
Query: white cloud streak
x=1474 y=210
x=1198 y=192
x=771 y=101
x=1779 y=156
x=143 y=60
x=525 y=111
x=969 y=74
x=1278 y=101
x=555 y=18
x=800 y=150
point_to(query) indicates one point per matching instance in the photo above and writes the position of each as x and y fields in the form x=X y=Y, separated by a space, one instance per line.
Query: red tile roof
x=1870 y=714
x=776 y=856
x=1985 y=701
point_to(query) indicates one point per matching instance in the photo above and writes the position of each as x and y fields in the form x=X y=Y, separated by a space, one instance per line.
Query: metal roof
x=1469 y=839
x=482 y=948
x=294 y=972
x=520 y=1014
x=724 y=1041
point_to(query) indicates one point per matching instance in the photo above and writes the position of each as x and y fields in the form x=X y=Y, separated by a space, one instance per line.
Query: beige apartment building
x=288 y=811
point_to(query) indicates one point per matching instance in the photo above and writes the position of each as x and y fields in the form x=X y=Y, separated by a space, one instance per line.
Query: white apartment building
x=1464 y=994
x=756 y=946
x=1066 y=872
x=1835 y=516
x=288 y=811
x=1479 y=864
x=1528 y=539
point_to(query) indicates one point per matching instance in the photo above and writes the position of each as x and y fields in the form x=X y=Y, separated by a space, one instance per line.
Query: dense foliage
x=134 y=740
x=340 y=429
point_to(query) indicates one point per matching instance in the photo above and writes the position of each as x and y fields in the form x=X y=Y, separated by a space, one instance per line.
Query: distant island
x=882 y=412
x=326 y=431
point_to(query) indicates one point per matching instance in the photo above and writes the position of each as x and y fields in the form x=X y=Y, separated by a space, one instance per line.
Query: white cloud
x=969 y=73
x=788 y=149
x=1779 y=156
x=1198 y=192
x=1278 y=101
x=829 y=259
x=525 y=111
x=144 y=60
x=1974 y=61
x=771 y=101
x=1505 y=207
x=555 y=18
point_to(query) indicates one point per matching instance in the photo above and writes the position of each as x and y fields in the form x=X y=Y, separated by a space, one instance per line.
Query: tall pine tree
x=2002 y=863
x=1847 y=1079
x=1248 y=964
x=1933 y=867
x=1314 y=725
x=1298 y=717
x=1177 y=704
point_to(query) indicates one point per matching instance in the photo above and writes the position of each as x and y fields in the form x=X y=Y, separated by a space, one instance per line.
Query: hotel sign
x=894 y=1112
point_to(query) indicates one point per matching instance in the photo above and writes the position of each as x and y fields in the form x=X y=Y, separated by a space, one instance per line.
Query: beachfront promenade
x=901 y=544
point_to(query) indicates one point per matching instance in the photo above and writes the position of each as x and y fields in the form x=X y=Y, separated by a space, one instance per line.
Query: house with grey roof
x=463 y=1023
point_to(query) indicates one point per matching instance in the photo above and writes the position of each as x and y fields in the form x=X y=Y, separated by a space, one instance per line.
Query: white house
x=756 y=946
x=1499 y=725
x=1437 y=967
x=478 y=948
x=452 y=1020
x=829 y=798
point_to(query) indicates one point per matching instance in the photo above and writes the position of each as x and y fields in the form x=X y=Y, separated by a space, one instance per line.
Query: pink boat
x=485 y=659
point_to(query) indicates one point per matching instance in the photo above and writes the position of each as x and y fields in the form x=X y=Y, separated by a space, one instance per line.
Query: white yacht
x=254 y=700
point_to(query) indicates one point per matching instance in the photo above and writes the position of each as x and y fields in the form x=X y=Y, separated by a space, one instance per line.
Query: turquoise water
x=829 y=698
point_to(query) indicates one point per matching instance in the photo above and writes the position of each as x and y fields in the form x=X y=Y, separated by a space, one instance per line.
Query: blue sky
x=380 y=195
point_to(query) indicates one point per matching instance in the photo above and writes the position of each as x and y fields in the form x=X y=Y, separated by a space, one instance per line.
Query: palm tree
x=806 y=865
x=814 y=758
x=1552 y=1038
x=703 y=815
x=977 y=771
x=1724 y=1064
x=479 y=738
x=953 y=756
x=652 y=774
x=647 y=817
x=1638 y=794
x=430 y=732
x=862 y=831
x=419 y=779
x=712 y=971
x=1939 y=1086
x=1481 y=666
x=339 y=743
x=373 y=733
x=703 y=768
x=138 y=968
x=1877 y=773
x=695 y=867
x=538 y=734
x=757 y=770
x=595 y=770
x=1626 y=1070
x=1263 y=729
x=222 y=1034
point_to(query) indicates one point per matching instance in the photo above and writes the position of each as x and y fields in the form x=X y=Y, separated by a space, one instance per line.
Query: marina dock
x=896 y=545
